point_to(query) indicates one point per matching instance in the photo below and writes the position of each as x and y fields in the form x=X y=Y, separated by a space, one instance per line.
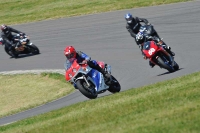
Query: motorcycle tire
x=82 y=86
x=162 y=64
x=34 y=49
x=176 y=66
x=7 y=51
x=115 y=86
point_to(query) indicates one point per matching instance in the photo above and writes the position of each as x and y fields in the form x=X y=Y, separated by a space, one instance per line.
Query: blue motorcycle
x=88 y=81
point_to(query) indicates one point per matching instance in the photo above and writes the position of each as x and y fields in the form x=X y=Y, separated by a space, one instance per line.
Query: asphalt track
x=104 y=37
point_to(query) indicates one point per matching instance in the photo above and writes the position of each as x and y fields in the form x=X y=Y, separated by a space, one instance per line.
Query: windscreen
x=69 y=63
x=147 y=30
x=146 y=45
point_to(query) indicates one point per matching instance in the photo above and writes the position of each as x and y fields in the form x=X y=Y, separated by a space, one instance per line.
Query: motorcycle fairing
x=149 y=49
x=71 y=67
x=98 y=80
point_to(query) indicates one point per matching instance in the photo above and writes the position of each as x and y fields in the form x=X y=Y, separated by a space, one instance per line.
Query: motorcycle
x=89 y=81
x=159 y=56
x=148 y=30
x=23 y=45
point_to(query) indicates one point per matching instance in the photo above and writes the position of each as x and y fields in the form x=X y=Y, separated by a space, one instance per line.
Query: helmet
x=70 y=52
x=128 y=18
x=4 y=27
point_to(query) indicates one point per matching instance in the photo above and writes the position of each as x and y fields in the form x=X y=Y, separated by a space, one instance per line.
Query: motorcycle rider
x=7 y=36
x=82 y=58
x=133 y=25
x=141 y=39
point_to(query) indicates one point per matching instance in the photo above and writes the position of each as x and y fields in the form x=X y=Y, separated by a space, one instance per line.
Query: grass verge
x=24 y=11
x=171 y=106
x=21 y=92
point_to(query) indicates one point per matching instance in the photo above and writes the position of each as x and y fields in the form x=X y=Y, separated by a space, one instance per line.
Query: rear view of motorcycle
x=23 y=45
x=88 y=81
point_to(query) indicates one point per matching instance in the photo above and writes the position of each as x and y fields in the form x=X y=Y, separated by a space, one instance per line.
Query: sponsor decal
x=95 y=74
x=151 y=51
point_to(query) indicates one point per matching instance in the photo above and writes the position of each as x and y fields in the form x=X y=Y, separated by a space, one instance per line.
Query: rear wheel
x=115 y=86
x=7 y=51
x=89 y=92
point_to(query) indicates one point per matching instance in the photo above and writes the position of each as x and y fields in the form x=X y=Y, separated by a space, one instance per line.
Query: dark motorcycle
x=22 y=45
x=148 y=30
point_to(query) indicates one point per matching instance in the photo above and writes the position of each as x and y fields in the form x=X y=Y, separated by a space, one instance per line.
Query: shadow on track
x=169 y=72
x=23 y=56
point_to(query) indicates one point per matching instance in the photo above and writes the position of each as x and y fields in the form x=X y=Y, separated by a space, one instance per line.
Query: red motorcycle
x=88 y=81
x=159 y=56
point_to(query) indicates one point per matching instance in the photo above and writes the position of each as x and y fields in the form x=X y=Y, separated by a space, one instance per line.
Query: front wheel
x=176 y=66
x=89 y=92
x=163 y=63
x=115 y=86
x=34 y=49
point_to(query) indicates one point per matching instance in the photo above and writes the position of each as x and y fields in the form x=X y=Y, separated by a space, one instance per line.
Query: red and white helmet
x=70 y=52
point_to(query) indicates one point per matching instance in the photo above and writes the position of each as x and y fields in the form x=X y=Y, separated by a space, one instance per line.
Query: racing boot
x=12 y=54
x=11 y=51
x=151 y=64
x=106 y=75
x=168 y=49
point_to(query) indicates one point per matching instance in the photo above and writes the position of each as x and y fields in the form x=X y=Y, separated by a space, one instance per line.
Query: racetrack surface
x=104 y=37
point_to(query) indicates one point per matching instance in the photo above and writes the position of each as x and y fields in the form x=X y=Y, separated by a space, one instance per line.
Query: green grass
x=21 y=92
x=24 y=11
x=171 y=106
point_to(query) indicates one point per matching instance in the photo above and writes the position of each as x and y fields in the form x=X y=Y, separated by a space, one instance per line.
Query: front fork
x=88 y=84
x=171 y=59
x=84 y=78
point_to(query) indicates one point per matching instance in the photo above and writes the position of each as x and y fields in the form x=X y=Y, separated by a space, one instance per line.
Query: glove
x=84 y=62
x=21 y=40
x=21 y=34
x=149 y=37
x=148 y=23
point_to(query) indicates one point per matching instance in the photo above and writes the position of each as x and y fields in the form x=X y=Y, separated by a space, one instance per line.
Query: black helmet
x=4 y=28
x=128 y=18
